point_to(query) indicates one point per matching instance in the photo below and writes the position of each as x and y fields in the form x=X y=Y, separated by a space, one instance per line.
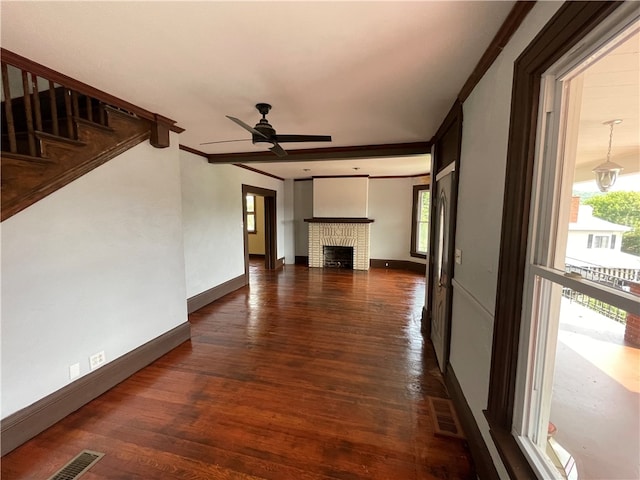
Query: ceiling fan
x=263 y=132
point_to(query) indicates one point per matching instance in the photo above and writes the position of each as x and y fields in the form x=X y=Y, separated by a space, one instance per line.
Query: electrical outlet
x=74 y=371
x=96 y=360
x=458 y=256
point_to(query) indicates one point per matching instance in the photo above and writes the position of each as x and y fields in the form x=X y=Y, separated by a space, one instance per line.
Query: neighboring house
x=114 y=256
x=593 y=234
x=595 y=244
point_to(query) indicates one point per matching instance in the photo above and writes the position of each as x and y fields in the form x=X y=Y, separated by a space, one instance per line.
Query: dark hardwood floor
x=306 y=374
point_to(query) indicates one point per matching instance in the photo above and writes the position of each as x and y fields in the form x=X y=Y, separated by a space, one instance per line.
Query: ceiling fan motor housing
x=263 y=126
x=266 y=129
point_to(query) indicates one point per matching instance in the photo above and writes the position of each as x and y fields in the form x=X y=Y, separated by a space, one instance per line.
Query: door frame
x=270 y=227
x=447 y=146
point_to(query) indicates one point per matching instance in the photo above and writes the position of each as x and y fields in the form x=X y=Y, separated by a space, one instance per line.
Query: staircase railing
x=34 y=105
x=38 y=100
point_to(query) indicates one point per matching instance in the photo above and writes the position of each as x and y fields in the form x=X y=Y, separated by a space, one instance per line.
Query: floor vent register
x=78 y=466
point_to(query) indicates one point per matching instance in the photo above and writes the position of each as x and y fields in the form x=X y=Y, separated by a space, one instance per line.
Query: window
x=601 y=241
x=420 y=221
x=567 y=31
x=576 y=411
x=251 y=213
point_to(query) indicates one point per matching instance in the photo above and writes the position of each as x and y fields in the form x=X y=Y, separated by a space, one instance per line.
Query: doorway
x=441 y=285
x=445 y=165
x=265 y=200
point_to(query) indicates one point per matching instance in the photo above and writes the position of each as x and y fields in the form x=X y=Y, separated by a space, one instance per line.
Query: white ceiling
x=365 y=73
x=610 y=89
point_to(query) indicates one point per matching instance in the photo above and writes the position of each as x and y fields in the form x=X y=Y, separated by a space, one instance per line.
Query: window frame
x=415 y=210
x=545 y=275
x=566 y=29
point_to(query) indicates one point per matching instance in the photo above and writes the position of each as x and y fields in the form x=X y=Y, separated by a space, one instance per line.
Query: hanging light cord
x=610 y=140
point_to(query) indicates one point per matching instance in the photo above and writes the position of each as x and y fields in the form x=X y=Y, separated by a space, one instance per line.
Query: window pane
x=422 y=222
x=251 y=223
x=592 y=420
x=423 y=215
x=251 y=203
x=602 y=224
x=423 y=237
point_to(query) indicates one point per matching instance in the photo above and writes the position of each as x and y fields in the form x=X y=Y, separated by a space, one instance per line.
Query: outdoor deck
x=596 y=395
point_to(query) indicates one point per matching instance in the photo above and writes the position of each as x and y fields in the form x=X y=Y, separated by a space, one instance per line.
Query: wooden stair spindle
x=54 y=108
x=36 y=103
x=68 y=112
x=89 y=109
x=102 y=113
x=75 y=104
x=8 y=108
x=29 y=114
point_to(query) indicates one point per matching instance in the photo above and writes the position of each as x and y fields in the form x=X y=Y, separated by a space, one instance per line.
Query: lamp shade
x=606 y=175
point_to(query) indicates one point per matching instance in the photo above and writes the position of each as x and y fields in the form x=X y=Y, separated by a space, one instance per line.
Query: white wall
x=341 y=197
x=97 y=265
x=482 y=173
x=390 y=205
x=303 y=208
x=212 y=220
x=289 y=222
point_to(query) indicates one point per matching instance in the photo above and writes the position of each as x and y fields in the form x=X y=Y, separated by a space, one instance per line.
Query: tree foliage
x=622 y=208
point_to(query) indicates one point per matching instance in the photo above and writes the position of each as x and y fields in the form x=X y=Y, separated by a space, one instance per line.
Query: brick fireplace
x=343 y=232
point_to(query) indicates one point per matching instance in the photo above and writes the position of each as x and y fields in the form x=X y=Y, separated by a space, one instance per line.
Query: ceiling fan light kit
x=263 y=132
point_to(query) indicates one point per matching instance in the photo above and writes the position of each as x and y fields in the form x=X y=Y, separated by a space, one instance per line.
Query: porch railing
x=600 y=275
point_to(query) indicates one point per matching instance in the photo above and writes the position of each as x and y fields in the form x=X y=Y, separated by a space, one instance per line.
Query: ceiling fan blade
x=278 y=150
x=302 y=138
x=246 y=127
x=227 y=141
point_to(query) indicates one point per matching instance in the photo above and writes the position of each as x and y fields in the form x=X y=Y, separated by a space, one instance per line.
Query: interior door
x=443 y=267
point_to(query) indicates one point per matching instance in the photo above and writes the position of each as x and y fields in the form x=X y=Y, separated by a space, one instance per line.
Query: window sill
x=512 y=456
x=418 y=255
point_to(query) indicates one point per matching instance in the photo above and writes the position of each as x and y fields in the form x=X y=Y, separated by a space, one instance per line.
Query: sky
x=624 y=183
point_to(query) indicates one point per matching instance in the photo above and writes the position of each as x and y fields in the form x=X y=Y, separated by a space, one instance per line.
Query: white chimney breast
x=341 y=197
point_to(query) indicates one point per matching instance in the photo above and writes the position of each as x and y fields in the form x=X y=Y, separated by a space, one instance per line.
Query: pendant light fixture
x=607 y=172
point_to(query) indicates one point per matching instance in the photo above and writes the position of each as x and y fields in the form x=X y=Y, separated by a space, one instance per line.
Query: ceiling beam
x=330 y=153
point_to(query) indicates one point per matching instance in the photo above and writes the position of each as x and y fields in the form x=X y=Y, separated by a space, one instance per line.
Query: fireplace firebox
x=338 y=257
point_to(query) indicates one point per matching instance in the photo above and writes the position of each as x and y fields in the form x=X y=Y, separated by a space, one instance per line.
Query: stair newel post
x=36 y=102
x=8 y=109
x=54 y=108
x=69 y=114
x=28 y=113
